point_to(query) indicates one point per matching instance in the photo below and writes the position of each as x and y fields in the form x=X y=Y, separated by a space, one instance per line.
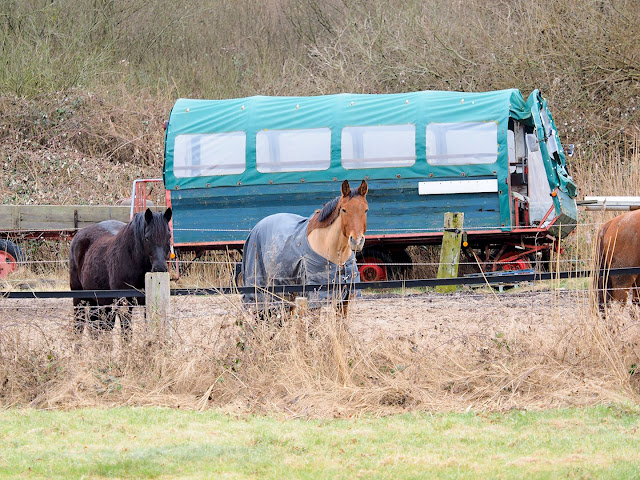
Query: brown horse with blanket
x=287 y=249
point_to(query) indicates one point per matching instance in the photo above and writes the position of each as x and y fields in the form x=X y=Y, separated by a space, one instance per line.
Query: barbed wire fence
x=225 y=265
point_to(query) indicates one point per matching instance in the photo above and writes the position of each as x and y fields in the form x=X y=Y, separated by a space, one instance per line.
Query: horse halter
x=353 y=214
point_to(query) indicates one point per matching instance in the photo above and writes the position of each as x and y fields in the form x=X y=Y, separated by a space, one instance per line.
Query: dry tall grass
x=612 y=173
x=407 y=352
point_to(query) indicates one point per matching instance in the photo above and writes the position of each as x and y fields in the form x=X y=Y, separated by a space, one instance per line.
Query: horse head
x=157 y=239
x=353 y=214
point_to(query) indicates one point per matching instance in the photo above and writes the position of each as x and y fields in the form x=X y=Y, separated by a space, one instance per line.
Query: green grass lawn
x=600 y=442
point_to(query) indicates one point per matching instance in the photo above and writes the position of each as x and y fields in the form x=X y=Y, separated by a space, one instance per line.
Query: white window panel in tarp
x=293 y=150
x=539 y=199
x=209 y=154
x=464 y=143
x=378 y=146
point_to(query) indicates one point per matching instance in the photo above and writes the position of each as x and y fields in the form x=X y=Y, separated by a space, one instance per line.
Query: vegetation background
x=85 y=85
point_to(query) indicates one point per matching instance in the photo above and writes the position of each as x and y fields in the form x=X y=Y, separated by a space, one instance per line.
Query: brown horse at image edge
x=113 y=255
x=619 y=247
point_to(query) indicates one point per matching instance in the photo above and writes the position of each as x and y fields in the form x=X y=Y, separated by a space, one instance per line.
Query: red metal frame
x=516 y=211
x=139 y=194
x=503 y=259
x=397 y=238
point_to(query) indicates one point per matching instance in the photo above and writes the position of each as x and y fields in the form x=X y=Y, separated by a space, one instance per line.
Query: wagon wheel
x=373 y=266
x=510 y=262
x=10 y=256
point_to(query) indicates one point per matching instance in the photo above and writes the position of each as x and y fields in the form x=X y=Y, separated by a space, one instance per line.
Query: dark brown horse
x=619 y=247
x=113 y=255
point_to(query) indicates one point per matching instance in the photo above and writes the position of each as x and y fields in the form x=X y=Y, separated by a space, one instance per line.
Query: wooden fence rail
x=57 y=218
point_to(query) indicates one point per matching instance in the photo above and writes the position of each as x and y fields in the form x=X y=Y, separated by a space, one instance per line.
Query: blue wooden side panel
x=227 y=214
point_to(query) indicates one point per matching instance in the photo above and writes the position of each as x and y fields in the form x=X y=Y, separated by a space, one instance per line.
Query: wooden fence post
x=450 y=251
x=157 y=297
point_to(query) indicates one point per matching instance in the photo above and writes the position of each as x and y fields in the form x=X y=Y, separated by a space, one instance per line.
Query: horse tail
x=77 y=251
x=602 y=282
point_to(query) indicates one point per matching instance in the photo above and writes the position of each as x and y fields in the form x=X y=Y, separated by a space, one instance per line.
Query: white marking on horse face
x=356 y=244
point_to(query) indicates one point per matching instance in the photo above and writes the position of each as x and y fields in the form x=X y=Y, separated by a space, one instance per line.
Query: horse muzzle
x=356 y=244
x=159 y=267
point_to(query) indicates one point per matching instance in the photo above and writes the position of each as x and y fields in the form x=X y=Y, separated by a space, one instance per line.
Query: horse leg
x=603 y=291
x=102 y=316
x=94 y=322
x=79 y=314
x=635 y=291
x=109 y=317
x=125 y=320
x=79 y=321
x=620 y=287
x=635 y=296
x=605 y=295
x=344 y=307
x=300 y=306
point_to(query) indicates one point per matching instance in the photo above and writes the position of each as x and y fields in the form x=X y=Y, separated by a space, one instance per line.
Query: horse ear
x=167 y=214
x=363 y=188
x=346 y=189
x=148 y=215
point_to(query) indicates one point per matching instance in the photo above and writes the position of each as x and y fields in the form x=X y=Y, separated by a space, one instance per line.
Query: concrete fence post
x=157 y=298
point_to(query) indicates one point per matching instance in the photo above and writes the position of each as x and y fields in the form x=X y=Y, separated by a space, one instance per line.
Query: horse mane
x=137 y=225
x=134 y=229
x=130 y=240
x=328 y=213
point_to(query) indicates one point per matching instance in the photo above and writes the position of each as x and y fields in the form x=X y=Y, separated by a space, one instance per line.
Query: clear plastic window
x=539 y=199
x=209 y=154
x=378 y=146
x=467 y=143
x=293 y=150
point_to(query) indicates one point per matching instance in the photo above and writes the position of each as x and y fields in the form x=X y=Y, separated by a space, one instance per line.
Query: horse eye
x=366 y=210
x=344 y=210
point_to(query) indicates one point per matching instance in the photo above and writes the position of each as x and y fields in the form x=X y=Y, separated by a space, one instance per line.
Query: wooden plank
x=610 y=203
x=9 y=218
x=57 y=217
x=450 y=251
x=157 y=301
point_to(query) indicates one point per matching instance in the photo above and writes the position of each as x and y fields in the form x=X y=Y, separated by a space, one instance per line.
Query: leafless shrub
x=93 y=96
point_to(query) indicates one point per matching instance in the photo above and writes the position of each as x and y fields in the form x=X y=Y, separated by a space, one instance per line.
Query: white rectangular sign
x=458 y=186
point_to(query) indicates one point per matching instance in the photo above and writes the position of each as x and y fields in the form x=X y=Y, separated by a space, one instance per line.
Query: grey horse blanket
x=277 y=252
